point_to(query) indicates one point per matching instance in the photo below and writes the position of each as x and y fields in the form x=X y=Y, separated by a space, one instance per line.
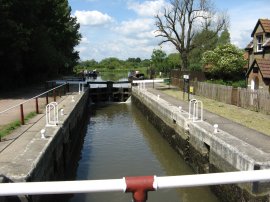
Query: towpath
x=250 y=136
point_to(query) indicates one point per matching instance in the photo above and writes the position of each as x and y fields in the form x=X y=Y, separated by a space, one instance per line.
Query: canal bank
x=205 y=150
x=33 y=158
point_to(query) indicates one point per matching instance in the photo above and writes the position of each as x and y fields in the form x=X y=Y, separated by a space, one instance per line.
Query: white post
x=62 y=112
x=42 y=132
x=215 y=128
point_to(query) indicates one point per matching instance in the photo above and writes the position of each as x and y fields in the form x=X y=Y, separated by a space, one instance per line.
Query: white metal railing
x=148 y=81
x=52 y=117
x=193 y=110
x=111 y=185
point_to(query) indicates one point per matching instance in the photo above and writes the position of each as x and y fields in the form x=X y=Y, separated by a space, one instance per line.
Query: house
x=258 y=50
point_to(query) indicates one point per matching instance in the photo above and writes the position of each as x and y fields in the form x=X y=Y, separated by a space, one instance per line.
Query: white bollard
x=157 y=97
x=215 y=128
x=72 y=99
x=180 y=108
x=62 y=112
x=42 y=132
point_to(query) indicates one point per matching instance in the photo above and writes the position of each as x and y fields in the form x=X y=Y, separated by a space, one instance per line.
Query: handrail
x=139 y=186
x=31 y=99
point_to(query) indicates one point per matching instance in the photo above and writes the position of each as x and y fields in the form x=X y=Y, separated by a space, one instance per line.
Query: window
x=259 y=43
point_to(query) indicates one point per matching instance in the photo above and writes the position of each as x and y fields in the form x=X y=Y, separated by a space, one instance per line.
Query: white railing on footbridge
x=139 y=186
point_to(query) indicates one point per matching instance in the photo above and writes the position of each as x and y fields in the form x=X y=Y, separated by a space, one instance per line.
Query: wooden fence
x=256 y=100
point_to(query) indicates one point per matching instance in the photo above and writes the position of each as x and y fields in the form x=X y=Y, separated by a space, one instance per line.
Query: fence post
x=47 y=98
x=54 y=95
x=22 y=115
x=37 y=105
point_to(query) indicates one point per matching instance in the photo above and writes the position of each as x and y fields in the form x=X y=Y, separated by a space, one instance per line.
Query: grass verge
x=7 y=129
x=248 y=118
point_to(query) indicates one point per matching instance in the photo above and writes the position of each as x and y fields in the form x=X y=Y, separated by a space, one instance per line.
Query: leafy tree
x=158 y=58
x=111 y=63
x=202 y=44
x=173 y=61
x=224 y=37
x=180 y=22
x=225 y=62
x=37 y=40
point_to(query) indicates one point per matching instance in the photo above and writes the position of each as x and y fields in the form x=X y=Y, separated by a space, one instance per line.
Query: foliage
x=37 y=40
x=158 y=58
x=235 y=84
x=180 y=21
x=203 y=43
x=225 y=62
x=225 y=37
x=173 y=61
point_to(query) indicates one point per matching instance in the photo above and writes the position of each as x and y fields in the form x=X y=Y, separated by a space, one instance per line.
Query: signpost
x=186 y=86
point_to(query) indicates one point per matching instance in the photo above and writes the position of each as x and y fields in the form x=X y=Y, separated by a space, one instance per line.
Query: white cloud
x=147 y=8
x=92 y=18
x=133 y=27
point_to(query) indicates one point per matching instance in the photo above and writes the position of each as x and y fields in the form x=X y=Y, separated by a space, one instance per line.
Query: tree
x=37 y=40
x=158 y=58
x=173 y=61
x=224 y=37
x=201 y=44
x=225 y=62
x=182 y=20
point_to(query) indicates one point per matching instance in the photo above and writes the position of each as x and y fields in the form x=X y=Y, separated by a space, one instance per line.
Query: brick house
x=258 y=50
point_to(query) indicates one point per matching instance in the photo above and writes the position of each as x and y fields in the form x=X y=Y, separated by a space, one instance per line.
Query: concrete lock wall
x=54 y=156
x=203 y=150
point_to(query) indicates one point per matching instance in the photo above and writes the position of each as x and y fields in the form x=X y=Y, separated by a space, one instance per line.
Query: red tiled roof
x=265 y=23
x=264 y=66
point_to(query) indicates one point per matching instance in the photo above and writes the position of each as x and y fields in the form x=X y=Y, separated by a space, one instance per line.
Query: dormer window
x=259 y=43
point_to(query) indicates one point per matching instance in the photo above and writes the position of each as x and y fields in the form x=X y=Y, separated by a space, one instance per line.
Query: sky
x=126 y=28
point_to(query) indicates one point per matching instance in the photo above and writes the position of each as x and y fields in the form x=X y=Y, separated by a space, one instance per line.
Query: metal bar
x=47 y=98
x=212 y=179
x=87 y=186
x=37 y=105
x=64 y=187
x=22 y=115
x=54 y=96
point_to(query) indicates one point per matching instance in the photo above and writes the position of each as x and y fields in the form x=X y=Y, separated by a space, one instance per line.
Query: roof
x=265 y=23
x=264 y=66
x=249 y=46
x=267 y=43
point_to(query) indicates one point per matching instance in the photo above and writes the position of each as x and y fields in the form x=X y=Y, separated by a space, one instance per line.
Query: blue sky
x=125 y=28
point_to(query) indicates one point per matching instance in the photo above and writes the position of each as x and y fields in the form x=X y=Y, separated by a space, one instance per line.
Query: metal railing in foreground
x=139 y=186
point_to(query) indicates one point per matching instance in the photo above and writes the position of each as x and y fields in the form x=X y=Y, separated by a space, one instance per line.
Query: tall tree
x=183 y=19
x=37 y=40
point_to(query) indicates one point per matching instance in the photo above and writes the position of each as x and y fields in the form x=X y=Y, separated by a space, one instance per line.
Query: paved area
x=9 y=99
x=250 y=136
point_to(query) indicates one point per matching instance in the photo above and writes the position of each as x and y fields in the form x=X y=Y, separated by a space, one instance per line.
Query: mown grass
x=7 y=129
x=248 y=118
